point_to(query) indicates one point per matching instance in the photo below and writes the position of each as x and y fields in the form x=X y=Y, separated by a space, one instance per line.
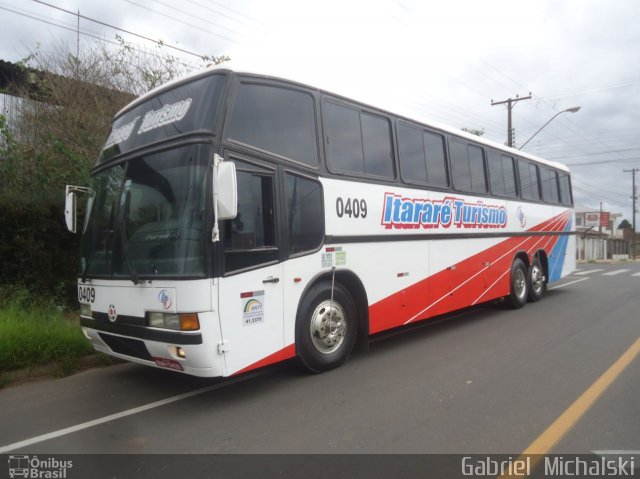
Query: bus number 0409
x=351 y=207
x=86 y=294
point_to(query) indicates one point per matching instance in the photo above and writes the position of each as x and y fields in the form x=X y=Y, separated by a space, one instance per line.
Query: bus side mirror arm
x=70 y=206
x=225 y=194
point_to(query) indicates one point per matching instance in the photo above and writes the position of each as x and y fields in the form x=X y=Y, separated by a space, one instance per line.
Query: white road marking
x=617 y=271
x=129 y=412
x=587 y=271
x=635 y=274
x=567 y=284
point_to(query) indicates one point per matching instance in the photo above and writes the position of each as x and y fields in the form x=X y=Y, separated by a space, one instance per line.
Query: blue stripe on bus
x=558 y=254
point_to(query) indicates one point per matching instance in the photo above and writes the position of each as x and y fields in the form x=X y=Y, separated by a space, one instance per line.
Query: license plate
x=168 y=363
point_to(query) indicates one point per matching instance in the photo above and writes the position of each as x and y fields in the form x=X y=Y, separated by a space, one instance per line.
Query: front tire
x=325 y=330
x=519 y=285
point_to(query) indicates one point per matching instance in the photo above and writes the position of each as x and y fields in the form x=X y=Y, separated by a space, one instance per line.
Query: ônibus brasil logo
x=408 y=213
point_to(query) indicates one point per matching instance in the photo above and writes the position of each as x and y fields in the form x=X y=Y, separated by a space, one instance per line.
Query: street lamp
x=568 y=110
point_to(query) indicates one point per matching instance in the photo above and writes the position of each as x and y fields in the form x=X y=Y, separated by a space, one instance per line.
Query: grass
x=36 y=332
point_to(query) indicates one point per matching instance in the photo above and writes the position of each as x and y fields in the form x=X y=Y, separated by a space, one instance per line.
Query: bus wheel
x=325 y=329
x=537 y=281
x=519 y=285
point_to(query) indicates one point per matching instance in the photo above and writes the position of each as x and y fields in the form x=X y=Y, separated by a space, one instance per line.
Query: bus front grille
x=127 y=346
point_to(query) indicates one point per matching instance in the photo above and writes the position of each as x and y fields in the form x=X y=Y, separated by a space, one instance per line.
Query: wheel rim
x=520 y=284
x=328 y=327
x=537 y=279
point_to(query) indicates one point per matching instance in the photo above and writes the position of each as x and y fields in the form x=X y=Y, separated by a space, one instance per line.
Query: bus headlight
x=177 y=322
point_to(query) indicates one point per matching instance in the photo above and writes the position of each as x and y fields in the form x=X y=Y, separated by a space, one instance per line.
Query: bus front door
x=251 y=287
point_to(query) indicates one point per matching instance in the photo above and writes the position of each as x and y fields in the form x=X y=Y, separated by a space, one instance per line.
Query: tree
x=625 y=225
x=65 y=108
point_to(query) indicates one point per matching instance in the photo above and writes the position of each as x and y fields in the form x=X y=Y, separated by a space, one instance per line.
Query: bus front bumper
x=166 y=349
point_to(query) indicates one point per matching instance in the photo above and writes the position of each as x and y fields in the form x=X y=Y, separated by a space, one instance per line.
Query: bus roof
x=231 y=68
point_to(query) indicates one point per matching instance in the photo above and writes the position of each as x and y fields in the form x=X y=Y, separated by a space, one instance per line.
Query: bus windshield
x=145 y=217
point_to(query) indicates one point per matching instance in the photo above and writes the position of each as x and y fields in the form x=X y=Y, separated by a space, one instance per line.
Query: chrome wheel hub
x=328 y=327
x=537 y=279
x=520 y=284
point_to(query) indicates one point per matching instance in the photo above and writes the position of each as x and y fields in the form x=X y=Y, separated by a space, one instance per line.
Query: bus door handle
x=271 y=279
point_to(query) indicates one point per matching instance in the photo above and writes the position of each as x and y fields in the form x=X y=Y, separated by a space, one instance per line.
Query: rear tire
x=519 y=285
x=325 y=331
x=537 y=281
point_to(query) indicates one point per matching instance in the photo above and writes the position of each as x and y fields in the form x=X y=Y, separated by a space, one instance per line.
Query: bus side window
x=529 y=183
x=249 y=238
x=357 y=142
x=549 y=182
x=305 y=217
x=422 y=158
x=467 y=167
x=275 y=119
x=411 y=149
x=502 y=174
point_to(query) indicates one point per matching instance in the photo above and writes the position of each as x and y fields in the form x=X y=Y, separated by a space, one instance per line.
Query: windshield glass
x=146 y=216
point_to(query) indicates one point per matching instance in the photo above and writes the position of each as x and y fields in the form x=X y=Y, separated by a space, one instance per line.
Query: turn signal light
x=176 y=322
x=189 y=322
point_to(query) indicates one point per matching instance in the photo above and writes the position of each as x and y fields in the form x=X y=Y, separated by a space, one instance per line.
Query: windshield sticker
x=409 y=213
x=252 y=307
x=166 y=115
x=121 y=134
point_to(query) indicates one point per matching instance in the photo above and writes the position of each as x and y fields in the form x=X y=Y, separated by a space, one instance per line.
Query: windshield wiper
x=123 y=237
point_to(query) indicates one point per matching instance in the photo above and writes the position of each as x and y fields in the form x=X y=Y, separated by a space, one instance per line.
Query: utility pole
x=510 y=104
x=634 y=198
x=78 y=37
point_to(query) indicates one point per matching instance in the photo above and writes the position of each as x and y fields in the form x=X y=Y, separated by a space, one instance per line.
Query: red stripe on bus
x=479 y=278
x=285 y=353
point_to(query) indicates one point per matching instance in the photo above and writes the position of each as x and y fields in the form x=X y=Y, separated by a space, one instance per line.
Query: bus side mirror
x=227 y=191
x=70 y=212
x=70 y=205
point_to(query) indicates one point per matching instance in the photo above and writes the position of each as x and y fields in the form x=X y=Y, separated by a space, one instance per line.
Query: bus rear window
x=565 y=189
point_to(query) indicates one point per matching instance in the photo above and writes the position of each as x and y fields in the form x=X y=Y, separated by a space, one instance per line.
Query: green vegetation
x=34 y=332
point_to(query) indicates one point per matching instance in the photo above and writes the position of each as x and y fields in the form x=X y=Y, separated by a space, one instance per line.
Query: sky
x=437 y=61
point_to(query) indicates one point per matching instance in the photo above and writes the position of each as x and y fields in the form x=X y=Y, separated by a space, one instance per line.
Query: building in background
x=599 y=236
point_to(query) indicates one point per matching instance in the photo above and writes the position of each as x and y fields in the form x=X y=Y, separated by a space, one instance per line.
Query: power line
x=602 y=162
x=594 y=153
x=157 y=42
x=90 y=35
x=236 y=12
x=164 y=4
x=598 y=194
x=218 y=12
x=182 y=21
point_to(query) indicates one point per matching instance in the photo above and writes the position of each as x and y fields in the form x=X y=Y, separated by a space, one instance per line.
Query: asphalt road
x=488 y=380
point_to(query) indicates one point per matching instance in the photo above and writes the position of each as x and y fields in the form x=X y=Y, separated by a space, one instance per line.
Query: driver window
x=250 y=238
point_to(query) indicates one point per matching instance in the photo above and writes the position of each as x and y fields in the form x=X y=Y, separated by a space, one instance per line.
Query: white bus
x=236 y=219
